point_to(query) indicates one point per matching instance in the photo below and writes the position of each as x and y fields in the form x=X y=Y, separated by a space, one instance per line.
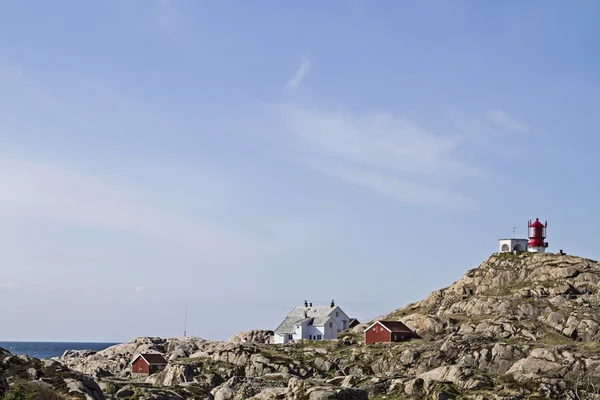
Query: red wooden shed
x=148 y=363
x=387 y=331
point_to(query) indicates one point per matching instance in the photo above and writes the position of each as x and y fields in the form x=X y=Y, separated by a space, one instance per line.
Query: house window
x=309 y=337
x=395 y=337
x=318 y=337
x=290 y=337
x=331 y=324
x=337 y=314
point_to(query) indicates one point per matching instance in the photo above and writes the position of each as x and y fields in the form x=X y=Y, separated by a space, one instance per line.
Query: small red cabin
x=388 y=331
x=148 y=363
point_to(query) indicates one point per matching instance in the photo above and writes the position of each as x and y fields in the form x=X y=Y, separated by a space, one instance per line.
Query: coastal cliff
x=519 y=326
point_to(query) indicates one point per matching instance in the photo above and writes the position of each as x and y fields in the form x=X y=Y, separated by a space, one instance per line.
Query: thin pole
x=514 y=231
x=185 y=323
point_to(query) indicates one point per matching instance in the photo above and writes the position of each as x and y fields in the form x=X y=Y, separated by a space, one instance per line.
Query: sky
x=237 y=158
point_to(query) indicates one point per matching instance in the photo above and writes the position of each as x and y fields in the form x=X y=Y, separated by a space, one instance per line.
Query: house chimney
x=332 y=304
x=311 y=304
x=305 y=303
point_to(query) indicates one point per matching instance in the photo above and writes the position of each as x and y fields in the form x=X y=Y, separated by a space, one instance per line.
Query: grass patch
x=553 y=338
x=588 y=348
x=277 y=356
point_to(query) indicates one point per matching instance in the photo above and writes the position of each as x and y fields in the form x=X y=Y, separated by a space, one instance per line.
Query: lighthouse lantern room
x=537 y=234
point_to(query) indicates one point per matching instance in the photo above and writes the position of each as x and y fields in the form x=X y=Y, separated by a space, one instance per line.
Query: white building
x=509 y=245
x=312 y=323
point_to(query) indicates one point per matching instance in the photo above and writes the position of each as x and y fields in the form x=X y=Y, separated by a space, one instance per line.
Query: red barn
x=148 y=363
x=387 y=331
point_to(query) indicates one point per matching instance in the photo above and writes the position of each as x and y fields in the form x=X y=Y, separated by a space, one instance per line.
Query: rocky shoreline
x=517 y=327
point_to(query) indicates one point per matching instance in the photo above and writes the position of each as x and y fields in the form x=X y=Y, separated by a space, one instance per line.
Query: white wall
x=314 y=331
x=511 y=243
x=331 y=332
x=341 y=316
x=281 y=338
x=536 y=249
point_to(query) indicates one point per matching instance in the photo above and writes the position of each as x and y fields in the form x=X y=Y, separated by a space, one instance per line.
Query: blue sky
x=241 y=157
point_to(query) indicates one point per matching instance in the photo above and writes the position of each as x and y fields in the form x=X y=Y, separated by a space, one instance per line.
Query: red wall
x=139 y=366
x=383 y=335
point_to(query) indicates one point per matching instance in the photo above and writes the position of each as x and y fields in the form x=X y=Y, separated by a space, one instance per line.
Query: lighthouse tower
x=537 y=234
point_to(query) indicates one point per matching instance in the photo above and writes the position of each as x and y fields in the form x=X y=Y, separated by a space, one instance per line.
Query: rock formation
x=23 y=377
x=516 y=327
x=253 y=336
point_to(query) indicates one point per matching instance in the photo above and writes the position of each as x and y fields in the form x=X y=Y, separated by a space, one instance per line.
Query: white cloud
x=70 y=198
x=379 y=151
x=300 y=74
x=499 y=117
x=167 y=17
x=9 y=286
x=376 y=140
x=404 y=190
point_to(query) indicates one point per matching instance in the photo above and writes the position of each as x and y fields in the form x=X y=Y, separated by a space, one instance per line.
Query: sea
x=50 y=349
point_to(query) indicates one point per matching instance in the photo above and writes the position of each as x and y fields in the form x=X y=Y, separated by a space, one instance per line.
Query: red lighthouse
x=537 y=234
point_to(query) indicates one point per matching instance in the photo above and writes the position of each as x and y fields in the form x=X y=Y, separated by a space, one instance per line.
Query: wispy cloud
x=167 y=17
x=300 y=74
x=9 y=286
x=381 y=152
x=501 y=118
x=404 y=190
x=70 y=198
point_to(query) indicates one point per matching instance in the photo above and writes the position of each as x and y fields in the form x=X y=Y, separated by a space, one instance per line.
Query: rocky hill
x=517 y=327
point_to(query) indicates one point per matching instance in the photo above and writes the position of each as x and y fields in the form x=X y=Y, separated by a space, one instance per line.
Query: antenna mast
x=185 y=323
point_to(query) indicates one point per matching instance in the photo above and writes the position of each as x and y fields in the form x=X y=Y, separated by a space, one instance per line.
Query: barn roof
x=320 y=314
x=393 y=326
x=151 y=358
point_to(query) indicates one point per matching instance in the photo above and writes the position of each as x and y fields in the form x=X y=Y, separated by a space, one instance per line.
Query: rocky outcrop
x=28 y=377
x=115 y=360
x=253 y=336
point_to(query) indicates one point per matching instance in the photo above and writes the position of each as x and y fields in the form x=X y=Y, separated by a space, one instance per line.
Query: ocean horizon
x=51 y=349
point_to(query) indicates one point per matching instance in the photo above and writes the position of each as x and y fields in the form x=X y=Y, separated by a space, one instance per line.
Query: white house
x=312 y=323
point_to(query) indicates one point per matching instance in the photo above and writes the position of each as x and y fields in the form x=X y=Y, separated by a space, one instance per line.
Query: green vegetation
x=110 y=388
x=508 y=289
x=138 y=393
x=551 y=337
x=18 y=392
x=27 y=391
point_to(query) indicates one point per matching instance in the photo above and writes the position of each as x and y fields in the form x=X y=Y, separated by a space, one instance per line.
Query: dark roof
x=152 y=358
x=353 y=320
x=395 y=326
